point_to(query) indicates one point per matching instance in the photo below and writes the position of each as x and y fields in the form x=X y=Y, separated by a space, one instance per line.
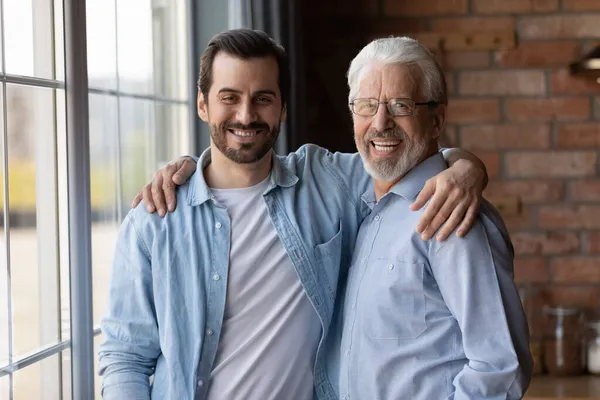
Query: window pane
x=66 y=375
x=134 y=42
x=138 y=156
x=29 y=34
x=98 y=340
x=101 y=44
x=170 y=49
x=4 y=328
x=33 y=217
x=172 y=131
x=4 y=387
x=104 y=193
x=39 y=381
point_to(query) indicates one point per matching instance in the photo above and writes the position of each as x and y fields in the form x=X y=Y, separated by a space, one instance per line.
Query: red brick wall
x=536 y=127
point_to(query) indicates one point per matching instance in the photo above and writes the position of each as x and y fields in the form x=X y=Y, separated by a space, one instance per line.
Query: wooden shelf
x=565 y=388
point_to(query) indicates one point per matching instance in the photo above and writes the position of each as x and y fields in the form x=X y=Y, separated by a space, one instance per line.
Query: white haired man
x=421 y=319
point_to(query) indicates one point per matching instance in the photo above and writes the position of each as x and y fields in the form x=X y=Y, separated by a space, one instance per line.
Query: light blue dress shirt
x=168 y=285
x=425 y=320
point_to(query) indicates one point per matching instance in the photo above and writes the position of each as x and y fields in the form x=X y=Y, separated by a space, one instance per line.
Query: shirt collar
x=412 y=183
x=199 y=191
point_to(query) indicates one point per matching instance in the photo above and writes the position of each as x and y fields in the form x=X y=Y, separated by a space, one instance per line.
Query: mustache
x=388 y=133
x=250 y=127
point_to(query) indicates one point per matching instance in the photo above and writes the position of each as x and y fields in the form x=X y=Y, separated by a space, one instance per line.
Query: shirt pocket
x=395 y=301
x=328 y=256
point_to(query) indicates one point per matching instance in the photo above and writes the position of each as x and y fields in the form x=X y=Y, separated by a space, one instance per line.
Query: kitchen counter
x=564 y=388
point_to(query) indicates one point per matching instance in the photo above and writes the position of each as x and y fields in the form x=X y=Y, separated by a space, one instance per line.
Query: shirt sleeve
x=475 y=278
x=128 y=356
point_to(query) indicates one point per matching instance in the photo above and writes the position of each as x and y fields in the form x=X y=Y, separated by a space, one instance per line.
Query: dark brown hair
x=245 y=44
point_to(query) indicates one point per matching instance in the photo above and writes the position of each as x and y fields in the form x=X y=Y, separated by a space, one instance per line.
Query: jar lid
x=561 y=311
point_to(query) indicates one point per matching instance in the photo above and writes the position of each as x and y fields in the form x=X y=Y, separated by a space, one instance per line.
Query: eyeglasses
x=396 y=107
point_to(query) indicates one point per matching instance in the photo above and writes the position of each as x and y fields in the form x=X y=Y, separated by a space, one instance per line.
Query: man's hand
x=456 y=195
x=159 y=194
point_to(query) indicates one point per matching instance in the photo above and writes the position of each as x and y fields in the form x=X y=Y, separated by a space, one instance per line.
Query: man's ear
x=202 y=107
x=283 y=114
x=439 y=121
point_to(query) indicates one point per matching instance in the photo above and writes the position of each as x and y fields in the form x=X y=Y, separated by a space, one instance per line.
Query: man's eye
x=263 y=100
x=400 y=105
x=228 y=99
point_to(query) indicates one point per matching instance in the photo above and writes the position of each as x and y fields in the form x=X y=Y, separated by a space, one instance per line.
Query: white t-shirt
x=270 y=330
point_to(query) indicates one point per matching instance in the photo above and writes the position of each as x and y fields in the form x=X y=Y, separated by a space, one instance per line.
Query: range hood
x=588 y=66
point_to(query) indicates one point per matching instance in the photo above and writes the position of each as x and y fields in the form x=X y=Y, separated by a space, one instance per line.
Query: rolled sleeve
x=475 y=277
x=128 y=356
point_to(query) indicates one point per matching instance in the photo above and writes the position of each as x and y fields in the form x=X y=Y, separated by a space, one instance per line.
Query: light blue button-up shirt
x=425 y=320
x=169 y=279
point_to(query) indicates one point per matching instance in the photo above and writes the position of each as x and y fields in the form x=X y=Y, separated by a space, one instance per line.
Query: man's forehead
x=239 y=74
x=400 y=79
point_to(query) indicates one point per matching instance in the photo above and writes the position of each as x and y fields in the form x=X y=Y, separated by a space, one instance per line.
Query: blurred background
x=524 y=97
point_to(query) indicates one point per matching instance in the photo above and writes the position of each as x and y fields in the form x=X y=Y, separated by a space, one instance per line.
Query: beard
x=246 y=153
x=391 y=169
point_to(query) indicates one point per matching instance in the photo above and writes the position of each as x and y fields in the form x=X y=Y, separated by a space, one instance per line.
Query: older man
x=230 y=295
x=421 y=319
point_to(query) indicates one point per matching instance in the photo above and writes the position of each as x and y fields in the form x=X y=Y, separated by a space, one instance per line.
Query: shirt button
x=200 y=383
x=364 y=260
x=209 y=332
x=216 y=277
x=354 y=306
x=377 y=217
x=391 y=266
x=347 y=352
x=218 y=225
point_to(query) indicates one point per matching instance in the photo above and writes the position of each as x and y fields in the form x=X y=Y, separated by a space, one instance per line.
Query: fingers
x=439 y=218
x=168 y=189
x=423 y=196
x=434 y=206
x=157 y=194
x=147 y=196
x=455 y=218
x=468 y=220
x=137 y=199
x=186 y=168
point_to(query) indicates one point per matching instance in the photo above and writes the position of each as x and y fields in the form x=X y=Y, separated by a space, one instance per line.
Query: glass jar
x=530 y=299
x=563 y=342
x=593 y=348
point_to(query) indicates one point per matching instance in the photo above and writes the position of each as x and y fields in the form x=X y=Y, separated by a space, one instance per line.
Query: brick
x=581 y=5
x=502 y=83
x=551 y=164
x=473 y=24
x=473 y=110
x=585 y=190
x=571 y=296
x=383 y=26
x=531 y=269
x=465 y=59
x=576 y=269
x=597 y=107
x=450 y=83
x=562 y=82
x=335 y=8
x=565 y=217
x=592 y=242
x=582 y=135
x=548 y=109
x=549 y=243
x=560 y=26
x=491 y=159
x=538 y=54
x=520 y=222
x=513 y=136
x=514 y=6
x=404 y=8
x=530 y=192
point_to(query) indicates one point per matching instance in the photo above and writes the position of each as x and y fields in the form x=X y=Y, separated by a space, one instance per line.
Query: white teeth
x=245 y=133
x=385 y=149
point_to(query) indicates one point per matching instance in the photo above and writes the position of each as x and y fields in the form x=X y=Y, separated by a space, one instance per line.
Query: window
x=139 y=117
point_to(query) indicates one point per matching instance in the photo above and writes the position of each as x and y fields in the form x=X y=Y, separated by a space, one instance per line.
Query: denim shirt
x=169 y=279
